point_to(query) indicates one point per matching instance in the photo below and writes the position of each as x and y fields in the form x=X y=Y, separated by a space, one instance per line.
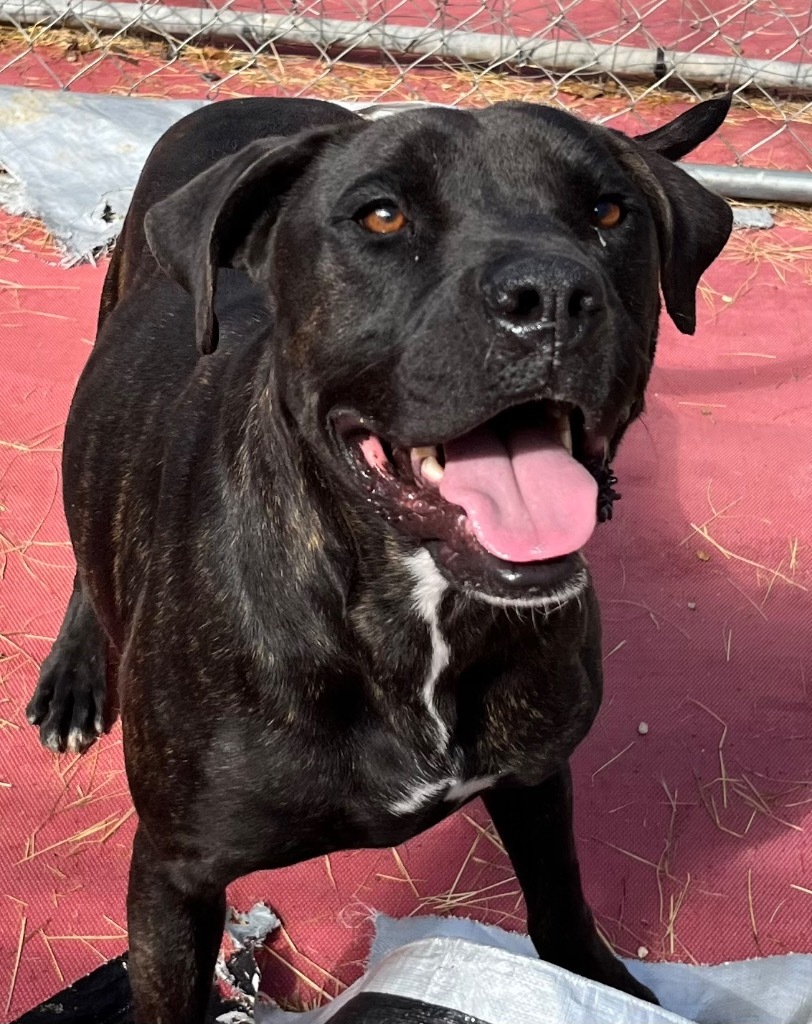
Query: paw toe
x=68 y=707
x=51 y=735
x=37 y=707
x=80 y=739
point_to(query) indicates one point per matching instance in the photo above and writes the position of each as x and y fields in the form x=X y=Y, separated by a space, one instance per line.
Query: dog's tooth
x=565 y=433
x=427 y=452
x=431 y=469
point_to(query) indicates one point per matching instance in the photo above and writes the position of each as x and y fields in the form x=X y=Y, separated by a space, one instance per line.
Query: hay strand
x=16 y=965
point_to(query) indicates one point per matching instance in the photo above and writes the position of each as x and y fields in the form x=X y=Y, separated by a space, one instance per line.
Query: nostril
x=527 y=304
x=579 y=302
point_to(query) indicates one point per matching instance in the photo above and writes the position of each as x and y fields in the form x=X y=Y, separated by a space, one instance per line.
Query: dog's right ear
x=209 y=222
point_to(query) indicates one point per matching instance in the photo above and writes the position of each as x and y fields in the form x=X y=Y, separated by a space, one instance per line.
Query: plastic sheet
x=494 y=976
x=73 y=159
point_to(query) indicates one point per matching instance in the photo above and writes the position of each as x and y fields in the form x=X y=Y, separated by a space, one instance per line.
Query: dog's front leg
x=175 y=925
x=535 y=824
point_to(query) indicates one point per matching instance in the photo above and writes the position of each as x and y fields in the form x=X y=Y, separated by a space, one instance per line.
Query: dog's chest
x=463 y=702
x=437 y=770
x=416 y=770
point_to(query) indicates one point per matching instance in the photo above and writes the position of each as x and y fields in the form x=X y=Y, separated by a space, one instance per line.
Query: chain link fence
x=631 y=64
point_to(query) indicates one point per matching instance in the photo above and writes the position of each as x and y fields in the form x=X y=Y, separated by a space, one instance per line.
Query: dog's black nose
x=537 y=295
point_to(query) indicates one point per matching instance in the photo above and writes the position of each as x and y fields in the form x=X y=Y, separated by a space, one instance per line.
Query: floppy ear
x=209 y=222
x=692 y=223
x=677 y=138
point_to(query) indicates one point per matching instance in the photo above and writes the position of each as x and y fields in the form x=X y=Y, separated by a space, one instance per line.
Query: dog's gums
x=525 y=487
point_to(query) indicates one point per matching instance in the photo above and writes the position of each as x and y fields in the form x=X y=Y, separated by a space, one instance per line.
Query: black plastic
x=383 y=1008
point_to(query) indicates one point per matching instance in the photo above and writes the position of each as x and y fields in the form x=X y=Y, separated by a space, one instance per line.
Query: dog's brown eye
x=384 y=219
x=607 y=213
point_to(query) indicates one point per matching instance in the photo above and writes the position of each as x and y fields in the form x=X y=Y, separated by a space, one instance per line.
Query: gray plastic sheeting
x=73 y=159
x=755 y=217
x=495 y=977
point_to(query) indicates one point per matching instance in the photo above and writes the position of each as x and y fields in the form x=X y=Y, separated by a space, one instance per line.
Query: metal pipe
x=754 y=183
x=733 y=182
x=487 y=49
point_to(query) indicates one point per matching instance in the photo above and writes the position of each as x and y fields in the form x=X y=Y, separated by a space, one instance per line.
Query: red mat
x=691 y=834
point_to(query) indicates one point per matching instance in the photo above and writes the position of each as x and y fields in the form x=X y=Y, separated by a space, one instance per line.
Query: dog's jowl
x=347 y=425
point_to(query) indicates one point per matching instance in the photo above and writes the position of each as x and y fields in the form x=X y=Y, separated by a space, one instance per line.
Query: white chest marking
x=429 y=587
x=420 y=795
x=454 y=790
x=459 y=791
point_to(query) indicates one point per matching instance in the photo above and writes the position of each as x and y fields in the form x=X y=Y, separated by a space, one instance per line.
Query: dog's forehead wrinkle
x=542 y=132
x=431 y=125
x=508 y=159
x=406 y=147
x=520 y=177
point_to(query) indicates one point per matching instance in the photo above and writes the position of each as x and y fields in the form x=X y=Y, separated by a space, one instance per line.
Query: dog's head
x=466 y=309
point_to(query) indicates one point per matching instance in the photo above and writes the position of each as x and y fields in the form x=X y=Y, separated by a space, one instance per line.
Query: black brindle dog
x=335 y=561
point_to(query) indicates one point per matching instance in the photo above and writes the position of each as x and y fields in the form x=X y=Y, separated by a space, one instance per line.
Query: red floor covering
x=691 y=835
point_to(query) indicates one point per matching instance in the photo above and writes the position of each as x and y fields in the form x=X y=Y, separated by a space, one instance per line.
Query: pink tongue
x=527 y=499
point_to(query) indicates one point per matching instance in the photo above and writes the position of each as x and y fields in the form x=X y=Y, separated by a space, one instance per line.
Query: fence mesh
x=628 y=63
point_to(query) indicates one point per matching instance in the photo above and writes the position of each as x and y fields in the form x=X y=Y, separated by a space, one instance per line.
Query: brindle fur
x=271 y=653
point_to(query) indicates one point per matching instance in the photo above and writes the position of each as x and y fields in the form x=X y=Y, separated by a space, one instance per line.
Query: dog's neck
x=339 y=563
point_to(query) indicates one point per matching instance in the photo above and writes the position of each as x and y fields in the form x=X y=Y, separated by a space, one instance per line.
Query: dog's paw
x=68 y=703
x=620 y=977
x=604 y=966
x=589 y=956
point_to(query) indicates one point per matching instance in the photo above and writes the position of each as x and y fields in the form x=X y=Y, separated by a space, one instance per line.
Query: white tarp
x=496 y=977
x=73 y=159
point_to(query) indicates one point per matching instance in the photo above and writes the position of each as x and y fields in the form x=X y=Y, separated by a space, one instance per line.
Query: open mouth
x=506 y=506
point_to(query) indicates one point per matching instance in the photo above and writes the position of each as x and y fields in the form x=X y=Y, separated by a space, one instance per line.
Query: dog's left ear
x=682 y=135
x=693 y=223
x=212 y=220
